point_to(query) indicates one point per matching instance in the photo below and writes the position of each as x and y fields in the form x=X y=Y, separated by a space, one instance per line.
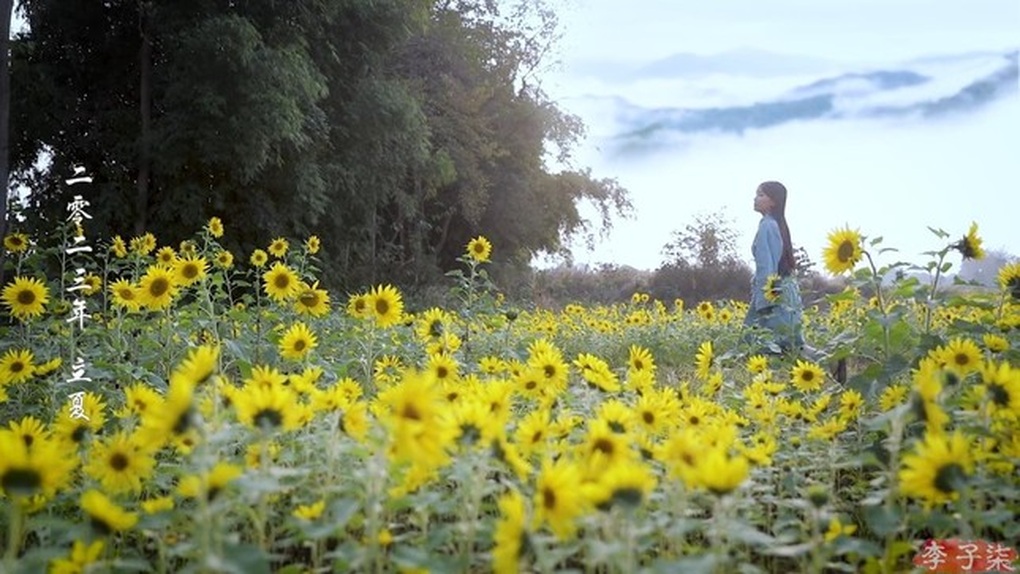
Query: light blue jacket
x=782 y=317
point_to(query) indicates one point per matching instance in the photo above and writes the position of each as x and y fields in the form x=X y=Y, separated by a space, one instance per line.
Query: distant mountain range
x=928 y=87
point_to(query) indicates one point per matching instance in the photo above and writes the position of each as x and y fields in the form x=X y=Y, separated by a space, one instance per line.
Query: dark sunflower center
x=442 y=372
x=118 y=461
x=28 y=439
x=26 y=296
x=694 y=420
x=530 y=385
x=536 y=437
x=159 y=287
x=24 y=481
x=998 y=394
x=962 y=359
x=550 y=371
x=281 y=281
x=949 y=478
x=807 y=376
x=411 y=412
x=638 y=365
x=300 y=345
x=845 y=251
x=79 y=433
x=100 y=526
x=604 y=446
x=190 y=271
x=648 y=417
x=309 y=299
x=469 y=434
x=17 y=367
x=382 y=306
x=268 y=418
x=548 y=498
x=617 y=427
x=183 y=423
x=127 y=294
x=627 y=496
x=435 y=329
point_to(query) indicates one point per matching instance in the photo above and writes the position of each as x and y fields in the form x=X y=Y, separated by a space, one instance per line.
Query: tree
x=395 y=129
x=6 y=7
x=709 y=241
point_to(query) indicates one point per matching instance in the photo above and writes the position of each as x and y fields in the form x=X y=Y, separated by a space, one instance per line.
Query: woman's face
x=762 y=203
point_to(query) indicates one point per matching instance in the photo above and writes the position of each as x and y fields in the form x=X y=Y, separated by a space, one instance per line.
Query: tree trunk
x=6 y=6
x=145 y=110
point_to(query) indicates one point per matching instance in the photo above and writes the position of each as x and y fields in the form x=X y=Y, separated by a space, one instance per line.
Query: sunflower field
x=192 y=410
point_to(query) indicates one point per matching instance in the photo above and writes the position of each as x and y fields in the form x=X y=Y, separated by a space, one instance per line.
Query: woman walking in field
x=775 y=297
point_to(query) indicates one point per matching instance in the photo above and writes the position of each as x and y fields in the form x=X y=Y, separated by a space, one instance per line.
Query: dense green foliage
x=396 y=129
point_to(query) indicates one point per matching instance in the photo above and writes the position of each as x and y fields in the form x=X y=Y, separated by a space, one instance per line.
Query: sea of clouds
x=889 y=148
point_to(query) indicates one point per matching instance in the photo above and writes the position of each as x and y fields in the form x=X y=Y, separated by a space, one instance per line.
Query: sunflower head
x=1009 y=279
x=843 y=251
x=970 y=245
x=215 y=227
x=16 y=243
x=479 y=249
x=26 y=297
x=278 y=248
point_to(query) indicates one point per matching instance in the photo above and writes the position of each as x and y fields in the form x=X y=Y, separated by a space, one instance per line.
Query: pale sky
x=850 y=30
x=889 y=180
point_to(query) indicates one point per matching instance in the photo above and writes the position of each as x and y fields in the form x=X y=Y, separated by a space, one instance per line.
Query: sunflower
x=357 y=306
x=166 y=256
x=26 y=297
x=479 y=249
x=297 y=342
x=105 y=515
x=157 y=288
x=603 y=448
x=844 y=250
x=510 y=535
x=995 y=343
x=118 y=247
x=71 y=429
x=654 y=411
x=311 y=300
x=265 y=376
x=559 y=500
x=431 y=324
x=893 y=396
x=771 y=288
x=209 y=484
x=16 y=243
x=138 y=399
x=144 y=244
x=224 y=259
x=757 y=364
x=385 y=305
x=190 y=270
x=278 y=247
x=268 y=408
x=258 y=258
x=215 y=227
x=30 y=429
x=312 y=244
x=281 y=283
x=93 y=284
x=310 y=511
x=174 y=420
x=16 y=366
x=80 y=560
x=719 y=472
x=626 y=485
x=807 y=376
x=961 y=356
x=937 y=469
x=704 y=359
x=157 y=505
x=640 y=359
x=1001 y=384
x=970 y=245
x=118 y=464
x=1009 y=279
x=42 y=468
x=126 y=295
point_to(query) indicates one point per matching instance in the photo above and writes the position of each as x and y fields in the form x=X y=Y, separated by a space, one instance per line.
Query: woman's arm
x=768 y=248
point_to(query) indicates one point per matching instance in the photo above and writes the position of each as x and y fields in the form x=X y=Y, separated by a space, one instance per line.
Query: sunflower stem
x=934 y=287
x=13 y=535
